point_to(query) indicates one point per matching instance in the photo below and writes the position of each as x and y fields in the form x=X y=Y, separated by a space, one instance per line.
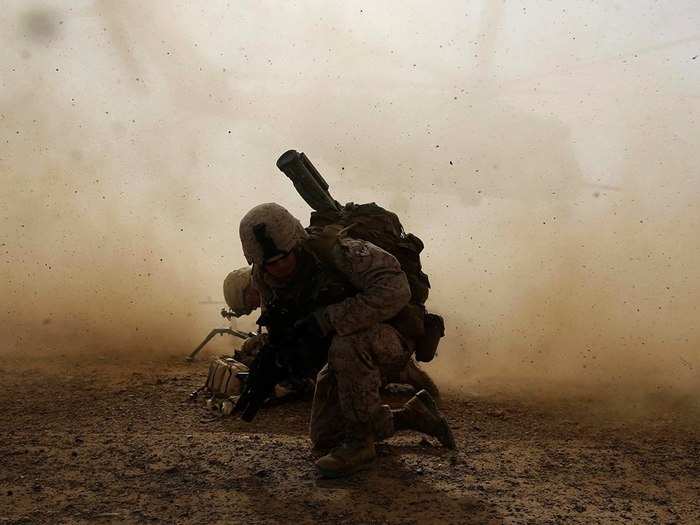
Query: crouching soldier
x=345 y=290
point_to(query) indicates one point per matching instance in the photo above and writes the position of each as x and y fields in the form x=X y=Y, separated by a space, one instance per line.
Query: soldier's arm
x=383 y=288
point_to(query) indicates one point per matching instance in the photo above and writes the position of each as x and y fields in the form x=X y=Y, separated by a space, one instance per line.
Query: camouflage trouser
x=347 y=388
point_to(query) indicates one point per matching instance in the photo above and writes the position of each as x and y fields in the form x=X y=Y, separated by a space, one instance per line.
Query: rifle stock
x=265 y=373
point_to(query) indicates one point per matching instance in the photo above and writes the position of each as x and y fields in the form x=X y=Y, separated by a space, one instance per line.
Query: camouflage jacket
x=353 y=286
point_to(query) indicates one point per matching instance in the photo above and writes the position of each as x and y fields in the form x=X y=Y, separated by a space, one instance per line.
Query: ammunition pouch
x=434 y=330
x=409 y=322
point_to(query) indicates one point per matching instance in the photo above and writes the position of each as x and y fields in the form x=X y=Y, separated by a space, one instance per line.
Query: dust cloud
x=547 y=155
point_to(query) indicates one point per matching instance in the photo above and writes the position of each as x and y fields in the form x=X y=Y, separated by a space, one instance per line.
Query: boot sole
x=429 y=402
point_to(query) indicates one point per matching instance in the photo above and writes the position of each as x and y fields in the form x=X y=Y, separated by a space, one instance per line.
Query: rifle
x=286 y=357
x=219 y=331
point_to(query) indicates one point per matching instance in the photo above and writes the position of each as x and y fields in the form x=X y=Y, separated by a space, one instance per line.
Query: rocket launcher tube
x=307 y=181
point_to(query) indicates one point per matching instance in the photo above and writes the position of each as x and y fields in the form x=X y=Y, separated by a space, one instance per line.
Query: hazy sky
x=547 y=152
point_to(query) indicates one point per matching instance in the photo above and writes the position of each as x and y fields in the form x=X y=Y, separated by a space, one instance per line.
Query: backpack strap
x=321 y=241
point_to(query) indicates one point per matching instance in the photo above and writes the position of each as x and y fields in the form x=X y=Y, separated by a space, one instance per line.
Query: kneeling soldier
x=346 y=290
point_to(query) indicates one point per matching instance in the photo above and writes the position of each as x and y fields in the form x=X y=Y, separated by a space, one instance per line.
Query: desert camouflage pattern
x=347 y=400
x=364 y=349
x=383 y=287
x=284 y=229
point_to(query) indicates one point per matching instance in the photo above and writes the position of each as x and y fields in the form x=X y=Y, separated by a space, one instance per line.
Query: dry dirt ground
x=109 y=441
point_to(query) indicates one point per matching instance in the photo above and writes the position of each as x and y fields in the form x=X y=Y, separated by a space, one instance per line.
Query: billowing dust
x=548 y=157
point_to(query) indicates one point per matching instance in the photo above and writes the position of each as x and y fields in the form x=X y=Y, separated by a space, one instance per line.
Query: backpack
x=370 y=222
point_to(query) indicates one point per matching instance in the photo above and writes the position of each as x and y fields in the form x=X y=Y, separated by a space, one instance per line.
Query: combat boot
x=421 y=413
x=349 y=457
x=419 y=379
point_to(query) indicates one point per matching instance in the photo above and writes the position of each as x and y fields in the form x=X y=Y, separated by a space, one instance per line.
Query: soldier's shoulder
x=356 y=247
x=362 y=255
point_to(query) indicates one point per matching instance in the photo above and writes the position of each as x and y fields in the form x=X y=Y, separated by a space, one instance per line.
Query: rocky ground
x=117 y=442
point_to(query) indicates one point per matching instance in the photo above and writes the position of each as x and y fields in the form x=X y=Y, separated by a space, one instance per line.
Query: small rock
x=262 y=473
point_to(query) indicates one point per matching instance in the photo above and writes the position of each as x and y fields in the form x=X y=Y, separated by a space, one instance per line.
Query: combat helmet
x=269 y=231
x=235 y=285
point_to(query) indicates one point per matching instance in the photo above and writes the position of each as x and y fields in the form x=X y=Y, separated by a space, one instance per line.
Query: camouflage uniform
x=344 y=291
x=364 y=349
x=347 y=388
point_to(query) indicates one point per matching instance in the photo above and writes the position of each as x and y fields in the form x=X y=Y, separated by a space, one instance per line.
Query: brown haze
x=547 y=154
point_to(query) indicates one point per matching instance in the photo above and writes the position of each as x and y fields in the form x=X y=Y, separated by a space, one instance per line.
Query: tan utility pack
x=222 y=380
